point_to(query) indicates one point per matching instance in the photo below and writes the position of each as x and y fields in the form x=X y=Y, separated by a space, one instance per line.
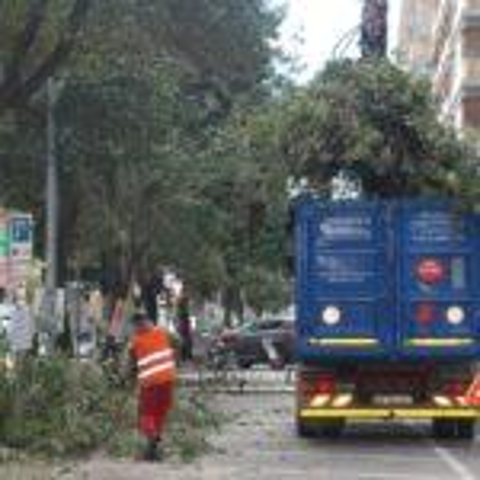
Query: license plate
x=389 y=400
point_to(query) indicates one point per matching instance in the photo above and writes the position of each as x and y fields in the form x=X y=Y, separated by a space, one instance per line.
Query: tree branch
x=22 y=44
x=28 y=36
x=11 y=95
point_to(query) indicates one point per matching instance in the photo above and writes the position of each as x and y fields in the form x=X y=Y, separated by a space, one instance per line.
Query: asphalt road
x=262 y=444
x=259 y=442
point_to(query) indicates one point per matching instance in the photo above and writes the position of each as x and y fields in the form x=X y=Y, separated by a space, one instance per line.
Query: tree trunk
x=373 y=40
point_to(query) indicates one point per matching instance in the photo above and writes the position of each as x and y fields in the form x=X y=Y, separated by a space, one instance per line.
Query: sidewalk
x=259 y=424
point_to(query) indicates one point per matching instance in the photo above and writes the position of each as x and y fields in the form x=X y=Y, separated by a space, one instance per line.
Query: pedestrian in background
x=21 y=331
x=86 y=328
x=184 y=326
x=153 y=362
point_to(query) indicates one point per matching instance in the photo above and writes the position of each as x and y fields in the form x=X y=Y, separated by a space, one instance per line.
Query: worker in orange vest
x=153 y=360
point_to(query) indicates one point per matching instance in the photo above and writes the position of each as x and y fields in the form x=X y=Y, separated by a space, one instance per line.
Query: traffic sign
x=430 y=271
x=20 y=236
x=16 y=248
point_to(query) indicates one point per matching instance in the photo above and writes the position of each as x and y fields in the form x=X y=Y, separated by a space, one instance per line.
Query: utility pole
x=52 y=202
x=51 y=191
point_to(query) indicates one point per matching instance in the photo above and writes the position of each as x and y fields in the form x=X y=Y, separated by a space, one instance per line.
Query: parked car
x=265 y=342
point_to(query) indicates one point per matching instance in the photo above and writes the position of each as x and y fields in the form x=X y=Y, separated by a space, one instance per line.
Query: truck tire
x=331 y=428
x=444 y=428
x=466 y=429
x=461 y=429
x=306 y=429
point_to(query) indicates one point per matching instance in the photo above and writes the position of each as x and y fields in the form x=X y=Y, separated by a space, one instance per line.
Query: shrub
x=193 y=417
x=58 y=407
x=61 y=408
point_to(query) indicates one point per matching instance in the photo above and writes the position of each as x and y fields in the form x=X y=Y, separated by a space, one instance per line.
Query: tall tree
x=374 y=30
x=158 y=165
x=375 y=120
x=141 y=118
x=36 y=37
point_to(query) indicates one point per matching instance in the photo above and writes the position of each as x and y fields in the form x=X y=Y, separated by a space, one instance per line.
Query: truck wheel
x=444 y=429
x=332 y=428
x=306 y=429
x=466 y=429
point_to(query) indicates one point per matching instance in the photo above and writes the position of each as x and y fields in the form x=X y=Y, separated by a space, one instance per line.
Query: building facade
x=441 y=40
x=415 y=35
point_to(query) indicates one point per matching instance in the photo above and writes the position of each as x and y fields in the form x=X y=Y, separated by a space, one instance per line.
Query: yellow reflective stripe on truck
x=345 y=413
x=439 y=342
x=387 y=413
x=437 y=413
x=372 y=342
x=344 y=342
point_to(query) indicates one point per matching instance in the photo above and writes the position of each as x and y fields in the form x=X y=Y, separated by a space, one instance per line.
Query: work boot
x=153 y=451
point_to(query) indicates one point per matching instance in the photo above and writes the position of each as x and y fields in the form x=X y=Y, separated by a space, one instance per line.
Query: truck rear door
x=438 y=280
x=344 y=289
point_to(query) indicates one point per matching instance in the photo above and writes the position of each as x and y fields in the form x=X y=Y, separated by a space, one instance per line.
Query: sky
x=313 y=28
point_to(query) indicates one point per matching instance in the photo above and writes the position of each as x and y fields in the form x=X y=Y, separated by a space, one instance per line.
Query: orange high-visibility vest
x=155 y=358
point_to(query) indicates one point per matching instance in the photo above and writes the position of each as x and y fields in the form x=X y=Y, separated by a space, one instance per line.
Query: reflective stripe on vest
x=167 y=353
x=155 y=363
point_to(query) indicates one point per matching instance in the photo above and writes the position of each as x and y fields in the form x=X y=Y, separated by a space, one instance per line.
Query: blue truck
x=388 y=314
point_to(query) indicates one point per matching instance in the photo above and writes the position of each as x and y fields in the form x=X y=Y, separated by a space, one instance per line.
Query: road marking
x=392 y=476
x=461 y=470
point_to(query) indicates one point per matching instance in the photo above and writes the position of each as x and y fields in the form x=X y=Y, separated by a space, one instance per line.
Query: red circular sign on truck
x=430 y=271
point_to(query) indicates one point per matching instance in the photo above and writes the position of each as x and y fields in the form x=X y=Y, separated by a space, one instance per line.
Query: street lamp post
x=52 y=204
x=51 y=191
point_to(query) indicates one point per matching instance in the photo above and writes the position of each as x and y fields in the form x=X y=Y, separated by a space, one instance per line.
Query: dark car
x=265 y=342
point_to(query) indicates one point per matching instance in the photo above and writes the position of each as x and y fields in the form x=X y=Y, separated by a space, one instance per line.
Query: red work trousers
x=154 y=403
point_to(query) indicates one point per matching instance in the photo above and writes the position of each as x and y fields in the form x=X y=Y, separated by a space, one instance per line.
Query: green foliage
x=374 y=119
x=55 y=407
x=221 y=42
x=464 y=177
x=192 y=420
x=58 y=408
x=247 y=194
x=36 y=37
x=163 y=158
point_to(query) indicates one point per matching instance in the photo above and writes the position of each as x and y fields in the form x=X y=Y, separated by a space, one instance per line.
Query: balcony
x=471 y=4
x=470 y=14
x=471 y=71
x=444 y=25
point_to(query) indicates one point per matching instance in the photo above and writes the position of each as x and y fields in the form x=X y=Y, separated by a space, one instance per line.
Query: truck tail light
x=425 y=313
x=455 y=388
x=342 y=401
x=316 y=388
x=430 y=271
x=442 y=401
x=325 y=385
x=455 y=315
x=331 y=315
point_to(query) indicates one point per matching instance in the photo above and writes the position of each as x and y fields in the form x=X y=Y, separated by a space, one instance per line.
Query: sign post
x=20 y=233
x=4 y=249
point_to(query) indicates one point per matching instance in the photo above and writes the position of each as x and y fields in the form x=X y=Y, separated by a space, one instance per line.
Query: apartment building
x=441 y=39
x=415 y=35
